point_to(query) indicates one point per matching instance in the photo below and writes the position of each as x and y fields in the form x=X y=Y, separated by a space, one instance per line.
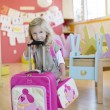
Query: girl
x=40 y=30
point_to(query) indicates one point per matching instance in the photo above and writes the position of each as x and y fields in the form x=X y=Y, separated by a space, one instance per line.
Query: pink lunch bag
x=67 y=92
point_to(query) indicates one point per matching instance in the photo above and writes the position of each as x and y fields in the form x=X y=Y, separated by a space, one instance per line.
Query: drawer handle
x=83 y=73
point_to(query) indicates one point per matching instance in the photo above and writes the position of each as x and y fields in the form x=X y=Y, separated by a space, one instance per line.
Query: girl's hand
x=62 y=77
x=29 y=41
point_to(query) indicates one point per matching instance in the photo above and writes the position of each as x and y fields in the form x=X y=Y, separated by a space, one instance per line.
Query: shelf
x=68 y=26
x=68 y=32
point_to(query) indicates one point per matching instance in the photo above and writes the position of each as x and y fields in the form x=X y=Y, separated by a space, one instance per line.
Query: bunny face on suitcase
x=26 y=102
x=69 y=93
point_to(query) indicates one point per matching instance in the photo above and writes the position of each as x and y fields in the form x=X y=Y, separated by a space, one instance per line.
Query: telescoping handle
x=30 y=62
x=43 y=52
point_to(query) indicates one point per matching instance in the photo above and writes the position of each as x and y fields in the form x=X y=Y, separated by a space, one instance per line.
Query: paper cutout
x=13 y=13
x=26 y=30
x=6 y=27
x=27 y=8
x=55 y=18
x=21 y=38
x=17 y=20
x=39 y=14
x=12 y=41
x=23 y=15
x=104 y=47
x=5 y=19
x=17 y=28
x=88 y=43
x=31 y=15
x=102 y=30
x=4 y=10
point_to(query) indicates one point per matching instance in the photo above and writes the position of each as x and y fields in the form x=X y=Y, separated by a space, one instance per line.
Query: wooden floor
x=85 y=101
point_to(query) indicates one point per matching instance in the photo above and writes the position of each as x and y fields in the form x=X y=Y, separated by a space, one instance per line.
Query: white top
x=58 y=56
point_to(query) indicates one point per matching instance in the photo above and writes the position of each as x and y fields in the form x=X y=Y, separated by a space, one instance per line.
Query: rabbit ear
x=25 y=91
x=30 y=98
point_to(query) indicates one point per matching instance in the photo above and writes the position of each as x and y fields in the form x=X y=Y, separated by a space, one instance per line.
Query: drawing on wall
x=4 y=10
x=15 y=23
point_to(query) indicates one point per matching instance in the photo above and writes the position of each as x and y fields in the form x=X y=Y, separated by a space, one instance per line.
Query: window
x=77 y=4
x=92 y=9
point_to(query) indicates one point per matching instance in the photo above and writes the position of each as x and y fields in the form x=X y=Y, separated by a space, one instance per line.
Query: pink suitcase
x=34 y=91
x=67 y=92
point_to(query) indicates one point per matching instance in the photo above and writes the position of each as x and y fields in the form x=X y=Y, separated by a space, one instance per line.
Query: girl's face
x=38 y=33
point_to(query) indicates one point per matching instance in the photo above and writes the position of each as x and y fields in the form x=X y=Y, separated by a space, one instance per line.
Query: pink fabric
x=67 y=47
x=64 y=43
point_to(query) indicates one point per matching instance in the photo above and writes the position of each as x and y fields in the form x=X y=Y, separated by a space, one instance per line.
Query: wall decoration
x=88 y=31
x=27 y=8
x=5 y=19
x=16 y=25
x=12 y=40
x=54 y=16
x=13 y=10
x=16 y=20
x=88 y=46
x=4 y=10
x=13 y=13
x=44 y=3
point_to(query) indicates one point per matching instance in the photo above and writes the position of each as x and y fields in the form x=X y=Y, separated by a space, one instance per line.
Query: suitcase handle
x=36 y=43
x=43 y=52
x=29 y=73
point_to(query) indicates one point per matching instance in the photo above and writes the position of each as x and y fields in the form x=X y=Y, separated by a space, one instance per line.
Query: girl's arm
x=61 y=64
x=63 y=72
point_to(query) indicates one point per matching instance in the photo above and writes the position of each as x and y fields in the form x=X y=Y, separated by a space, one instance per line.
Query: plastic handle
x=29 y=73
x=36 y=43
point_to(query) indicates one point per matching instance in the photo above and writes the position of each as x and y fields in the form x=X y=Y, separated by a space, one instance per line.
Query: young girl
x=40 y=30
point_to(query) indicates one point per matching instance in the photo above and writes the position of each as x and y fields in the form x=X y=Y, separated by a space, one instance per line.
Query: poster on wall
x=15 y=23
x=54 y=16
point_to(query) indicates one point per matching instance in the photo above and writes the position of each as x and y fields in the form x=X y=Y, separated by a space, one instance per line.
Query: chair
x=84 y=67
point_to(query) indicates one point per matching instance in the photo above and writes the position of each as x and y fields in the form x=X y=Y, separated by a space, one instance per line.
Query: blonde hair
x=45 y=26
